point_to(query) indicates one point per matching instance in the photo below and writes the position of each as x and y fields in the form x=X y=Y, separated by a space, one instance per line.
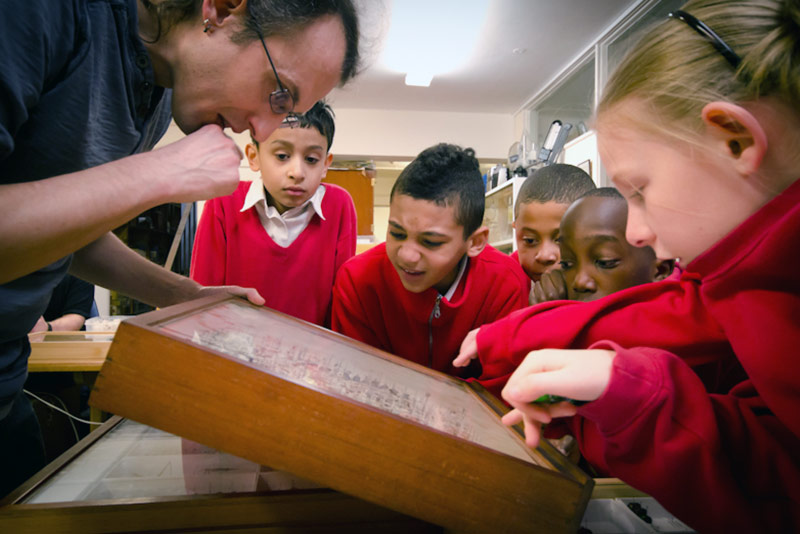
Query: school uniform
x=291 y=259
x=371 y=305
x=707 y=421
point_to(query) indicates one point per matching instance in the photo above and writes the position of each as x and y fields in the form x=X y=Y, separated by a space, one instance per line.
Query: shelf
x=500 y=187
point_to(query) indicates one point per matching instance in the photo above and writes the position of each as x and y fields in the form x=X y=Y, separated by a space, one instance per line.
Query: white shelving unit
x=499 y=214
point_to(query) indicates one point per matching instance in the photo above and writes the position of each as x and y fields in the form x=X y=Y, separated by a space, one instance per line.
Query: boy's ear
x=739 y=133
x=477 y=241
x=252 y=157
x=664 y=268
x=216 y=11
x=327 y=163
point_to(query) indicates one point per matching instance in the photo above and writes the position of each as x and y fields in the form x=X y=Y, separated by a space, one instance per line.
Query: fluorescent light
x=427 y=38
x=419 y=79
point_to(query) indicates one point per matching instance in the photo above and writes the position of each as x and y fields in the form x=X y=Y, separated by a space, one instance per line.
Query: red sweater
x=232 y=247
x=707 y=421
x=371 y=305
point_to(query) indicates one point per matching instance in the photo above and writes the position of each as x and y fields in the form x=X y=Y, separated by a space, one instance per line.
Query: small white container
x=105 y=324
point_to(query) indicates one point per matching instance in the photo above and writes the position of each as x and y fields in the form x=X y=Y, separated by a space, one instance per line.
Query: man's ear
x=327 y=163
x=739 y=134
x=218 y=11
x=252 y=157
x=663 y=269
x=477 y=241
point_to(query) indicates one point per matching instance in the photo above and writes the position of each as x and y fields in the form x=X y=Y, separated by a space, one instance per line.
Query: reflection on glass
x=314 y=358
x=134 y=460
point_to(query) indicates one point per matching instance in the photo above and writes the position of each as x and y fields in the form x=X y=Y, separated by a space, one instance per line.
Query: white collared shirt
x=461 y=270
x=283 y=228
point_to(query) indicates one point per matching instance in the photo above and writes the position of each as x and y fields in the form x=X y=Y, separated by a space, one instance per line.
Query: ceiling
x=522 y=46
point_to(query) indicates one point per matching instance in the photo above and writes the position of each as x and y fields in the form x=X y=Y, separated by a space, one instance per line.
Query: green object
x=554 y=399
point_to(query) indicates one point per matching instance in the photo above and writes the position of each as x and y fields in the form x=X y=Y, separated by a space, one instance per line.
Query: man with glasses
x=84 y=85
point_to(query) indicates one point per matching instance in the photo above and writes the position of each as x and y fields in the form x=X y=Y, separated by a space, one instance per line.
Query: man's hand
x=202 y=165
x=248 y=292
x=551 y=286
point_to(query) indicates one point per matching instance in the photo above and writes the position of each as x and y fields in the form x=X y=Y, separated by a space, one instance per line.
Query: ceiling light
x=427 y=38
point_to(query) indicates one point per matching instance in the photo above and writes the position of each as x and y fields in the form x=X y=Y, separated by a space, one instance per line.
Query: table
x=81 y=353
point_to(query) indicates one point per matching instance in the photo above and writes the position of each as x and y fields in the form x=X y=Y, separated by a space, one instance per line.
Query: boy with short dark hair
x=596 y=259
x=285 y=235
x=435 y=278
x=542 y=201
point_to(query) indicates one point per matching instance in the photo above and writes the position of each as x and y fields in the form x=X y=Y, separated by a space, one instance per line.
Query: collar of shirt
x=286 y=227
x=460 y=275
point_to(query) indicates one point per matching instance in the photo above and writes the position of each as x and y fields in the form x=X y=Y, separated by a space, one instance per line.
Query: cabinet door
x=360 y=188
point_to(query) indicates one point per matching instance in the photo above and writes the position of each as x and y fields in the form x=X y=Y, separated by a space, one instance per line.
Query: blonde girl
x=693 y=385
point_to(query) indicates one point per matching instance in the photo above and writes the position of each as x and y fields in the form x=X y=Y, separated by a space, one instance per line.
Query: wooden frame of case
x=161 y=372
x=315 y=510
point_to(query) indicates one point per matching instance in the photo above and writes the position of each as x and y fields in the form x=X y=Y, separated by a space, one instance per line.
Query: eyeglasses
x=281 y=100
x=698 y=26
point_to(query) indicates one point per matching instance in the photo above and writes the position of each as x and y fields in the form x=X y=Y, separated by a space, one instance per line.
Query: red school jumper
x=708 y=420
x=371 y=305
x=232 y=247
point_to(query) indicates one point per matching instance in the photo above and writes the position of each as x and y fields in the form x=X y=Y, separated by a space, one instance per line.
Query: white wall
x=389 y=134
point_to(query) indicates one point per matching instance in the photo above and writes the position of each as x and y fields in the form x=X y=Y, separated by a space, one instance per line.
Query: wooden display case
x=281 y=392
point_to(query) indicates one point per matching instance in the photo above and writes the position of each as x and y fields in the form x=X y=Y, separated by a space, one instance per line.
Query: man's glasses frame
x=281 y=100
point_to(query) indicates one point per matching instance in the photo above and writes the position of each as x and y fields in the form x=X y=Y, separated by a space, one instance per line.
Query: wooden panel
x=180 y=384
x=360 y=188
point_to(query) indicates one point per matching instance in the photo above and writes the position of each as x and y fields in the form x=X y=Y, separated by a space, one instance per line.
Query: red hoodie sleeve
x=669 y=314
x=657 y=428
x=511 y=294
x=210 y=250
x=348 y=314
x=346 y=243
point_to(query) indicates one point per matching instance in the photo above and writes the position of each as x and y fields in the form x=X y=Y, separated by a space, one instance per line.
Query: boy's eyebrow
x=286 y=143
x=429 y=233
x=281 y=142
x=603 y=238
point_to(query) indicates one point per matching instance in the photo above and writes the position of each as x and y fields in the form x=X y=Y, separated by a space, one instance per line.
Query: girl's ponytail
x=772 y=66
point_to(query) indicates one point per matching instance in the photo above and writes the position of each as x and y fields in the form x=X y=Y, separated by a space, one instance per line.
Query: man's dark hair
x=320 y=117
x=559 y=182
x=608 y=192
x=273 y=17
x=447 y=175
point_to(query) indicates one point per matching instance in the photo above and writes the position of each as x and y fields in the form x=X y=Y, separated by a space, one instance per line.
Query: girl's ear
x=252 y=157
x=741 y=136
x=477 y=241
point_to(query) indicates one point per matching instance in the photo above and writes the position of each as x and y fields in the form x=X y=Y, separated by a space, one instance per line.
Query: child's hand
x=551 y=286
x=468 y=350
x=574 y=374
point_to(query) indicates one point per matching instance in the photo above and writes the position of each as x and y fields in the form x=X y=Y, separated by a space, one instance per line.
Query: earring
x=206 y=25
